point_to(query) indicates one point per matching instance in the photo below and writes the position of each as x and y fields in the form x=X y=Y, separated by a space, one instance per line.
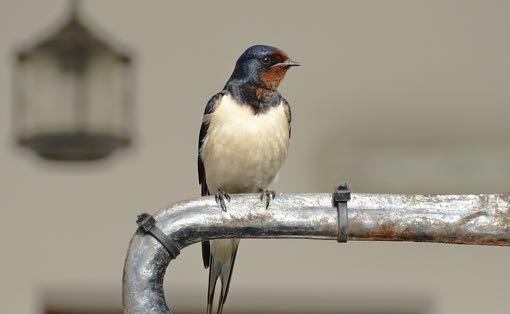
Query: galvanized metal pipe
x=460 y=219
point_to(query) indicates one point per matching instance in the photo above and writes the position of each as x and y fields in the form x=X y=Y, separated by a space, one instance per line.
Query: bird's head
x=262 y=66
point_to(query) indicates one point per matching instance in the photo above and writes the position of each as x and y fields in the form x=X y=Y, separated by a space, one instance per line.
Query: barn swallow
x=243 y=142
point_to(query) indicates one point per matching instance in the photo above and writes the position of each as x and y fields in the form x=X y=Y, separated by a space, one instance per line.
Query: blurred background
x=392 y=97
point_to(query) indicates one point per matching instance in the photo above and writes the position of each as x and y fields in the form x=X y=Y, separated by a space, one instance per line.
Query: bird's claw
x=220 y=198
x=268 y=195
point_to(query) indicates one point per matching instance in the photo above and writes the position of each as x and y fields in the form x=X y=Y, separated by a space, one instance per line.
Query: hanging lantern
x=72 y=95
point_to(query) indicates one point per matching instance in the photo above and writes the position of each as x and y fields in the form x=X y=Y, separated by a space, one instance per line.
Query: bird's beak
x=286 y=63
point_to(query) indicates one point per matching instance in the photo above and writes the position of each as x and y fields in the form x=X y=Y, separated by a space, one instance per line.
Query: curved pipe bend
x=462 y=219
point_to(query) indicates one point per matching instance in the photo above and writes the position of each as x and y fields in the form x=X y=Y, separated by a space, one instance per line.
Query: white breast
x=243 y=151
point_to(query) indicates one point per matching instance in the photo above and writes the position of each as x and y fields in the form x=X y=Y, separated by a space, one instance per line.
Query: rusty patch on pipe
x=391 y=232
x=478 y=240
x=251 y=218
x=330 y=230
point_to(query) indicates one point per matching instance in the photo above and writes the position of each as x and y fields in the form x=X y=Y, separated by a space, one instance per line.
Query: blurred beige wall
x=393 y=96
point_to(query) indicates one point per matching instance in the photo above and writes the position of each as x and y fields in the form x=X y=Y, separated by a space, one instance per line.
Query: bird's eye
x=266 y=60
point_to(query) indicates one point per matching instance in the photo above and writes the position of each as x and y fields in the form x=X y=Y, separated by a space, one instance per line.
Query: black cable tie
x=340 y=198
x=147 y=224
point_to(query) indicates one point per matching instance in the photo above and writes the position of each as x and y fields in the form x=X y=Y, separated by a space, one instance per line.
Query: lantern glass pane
x=106 y=88
x=54 y=100
x=47 y=97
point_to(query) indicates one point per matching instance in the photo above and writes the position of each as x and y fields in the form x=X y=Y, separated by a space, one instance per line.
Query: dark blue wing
x=287 y=112
x=209 y=109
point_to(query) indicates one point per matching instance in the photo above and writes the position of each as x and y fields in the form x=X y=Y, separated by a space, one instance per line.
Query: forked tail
x=221 y=263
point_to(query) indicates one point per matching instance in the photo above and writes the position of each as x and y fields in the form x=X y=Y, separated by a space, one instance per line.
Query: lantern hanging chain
x=75 y=8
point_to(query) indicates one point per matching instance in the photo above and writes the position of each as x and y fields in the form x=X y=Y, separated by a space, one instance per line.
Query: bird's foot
x=268 y=195
x=220 y=198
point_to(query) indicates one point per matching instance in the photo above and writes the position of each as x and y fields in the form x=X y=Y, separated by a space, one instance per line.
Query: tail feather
x=221 y=264
x=206 y=253
x=214 y=273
